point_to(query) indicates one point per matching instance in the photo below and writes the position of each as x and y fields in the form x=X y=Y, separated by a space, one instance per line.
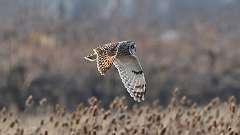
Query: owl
x=123 y=56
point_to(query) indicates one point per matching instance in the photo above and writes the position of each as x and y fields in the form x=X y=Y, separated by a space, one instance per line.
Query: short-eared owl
x=123 y=56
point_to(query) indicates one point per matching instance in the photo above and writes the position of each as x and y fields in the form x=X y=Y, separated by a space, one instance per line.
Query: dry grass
x=180 y=117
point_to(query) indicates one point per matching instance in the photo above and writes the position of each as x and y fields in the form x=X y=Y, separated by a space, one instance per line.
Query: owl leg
x=91 y=57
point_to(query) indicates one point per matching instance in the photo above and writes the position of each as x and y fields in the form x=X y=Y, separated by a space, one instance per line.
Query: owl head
x=127 y=47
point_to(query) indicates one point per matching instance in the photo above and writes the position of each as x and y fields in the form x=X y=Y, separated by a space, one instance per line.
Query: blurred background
x=189 y=44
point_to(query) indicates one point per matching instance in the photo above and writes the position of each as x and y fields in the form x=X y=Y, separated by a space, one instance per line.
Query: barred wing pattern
x=132 y=76
x=105 y=57
x=104 y=61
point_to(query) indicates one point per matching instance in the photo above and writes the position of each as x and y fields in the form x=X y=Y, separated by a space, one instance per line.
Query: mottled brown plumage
x=104 y=60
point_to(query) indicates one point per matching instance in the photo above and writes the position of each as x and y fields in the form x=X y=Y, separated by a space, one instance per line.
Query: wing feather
x=104 y=61
x=132 y=76
x=105 y=56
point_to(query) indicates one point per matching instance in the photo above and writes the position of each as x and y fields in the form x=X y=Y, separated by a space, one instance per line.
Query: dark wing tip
x=138 y=96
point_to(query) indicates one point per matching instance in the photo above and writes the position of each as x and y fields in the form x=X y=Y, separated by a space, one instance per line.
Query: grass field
x=180 y=117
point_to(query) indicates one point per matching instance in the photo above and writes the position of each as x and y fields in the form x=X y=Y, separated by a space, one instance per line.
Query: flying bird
x=123 y=56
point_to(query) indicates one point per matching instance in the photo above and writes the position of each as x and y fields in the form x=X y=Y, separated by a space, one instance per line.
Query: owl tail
x=91 y=57
x=104 y=61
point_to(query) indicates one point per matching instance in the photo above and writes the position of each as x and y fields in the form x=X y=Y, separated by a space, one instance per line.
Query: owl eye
x=132 y=46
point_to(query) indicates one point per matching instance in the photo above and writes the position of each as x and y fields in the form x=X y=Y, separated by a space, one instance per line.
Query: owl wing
x=132 y=76
x=105 y=56
x=104 y=61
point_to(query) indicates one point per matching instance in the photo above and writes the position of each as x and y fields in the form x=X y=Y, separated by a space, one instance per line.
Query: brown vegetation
x=180 y=117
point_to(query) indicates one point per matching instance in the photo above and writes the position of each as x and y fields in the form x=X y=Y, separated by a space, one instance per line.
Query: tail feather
x=91 y=57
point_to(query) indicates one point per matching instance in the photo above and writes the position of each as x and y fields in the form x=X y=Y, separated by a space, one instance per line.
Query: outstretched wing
x=132 y=76
x=105 y=56
x=104 y=61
